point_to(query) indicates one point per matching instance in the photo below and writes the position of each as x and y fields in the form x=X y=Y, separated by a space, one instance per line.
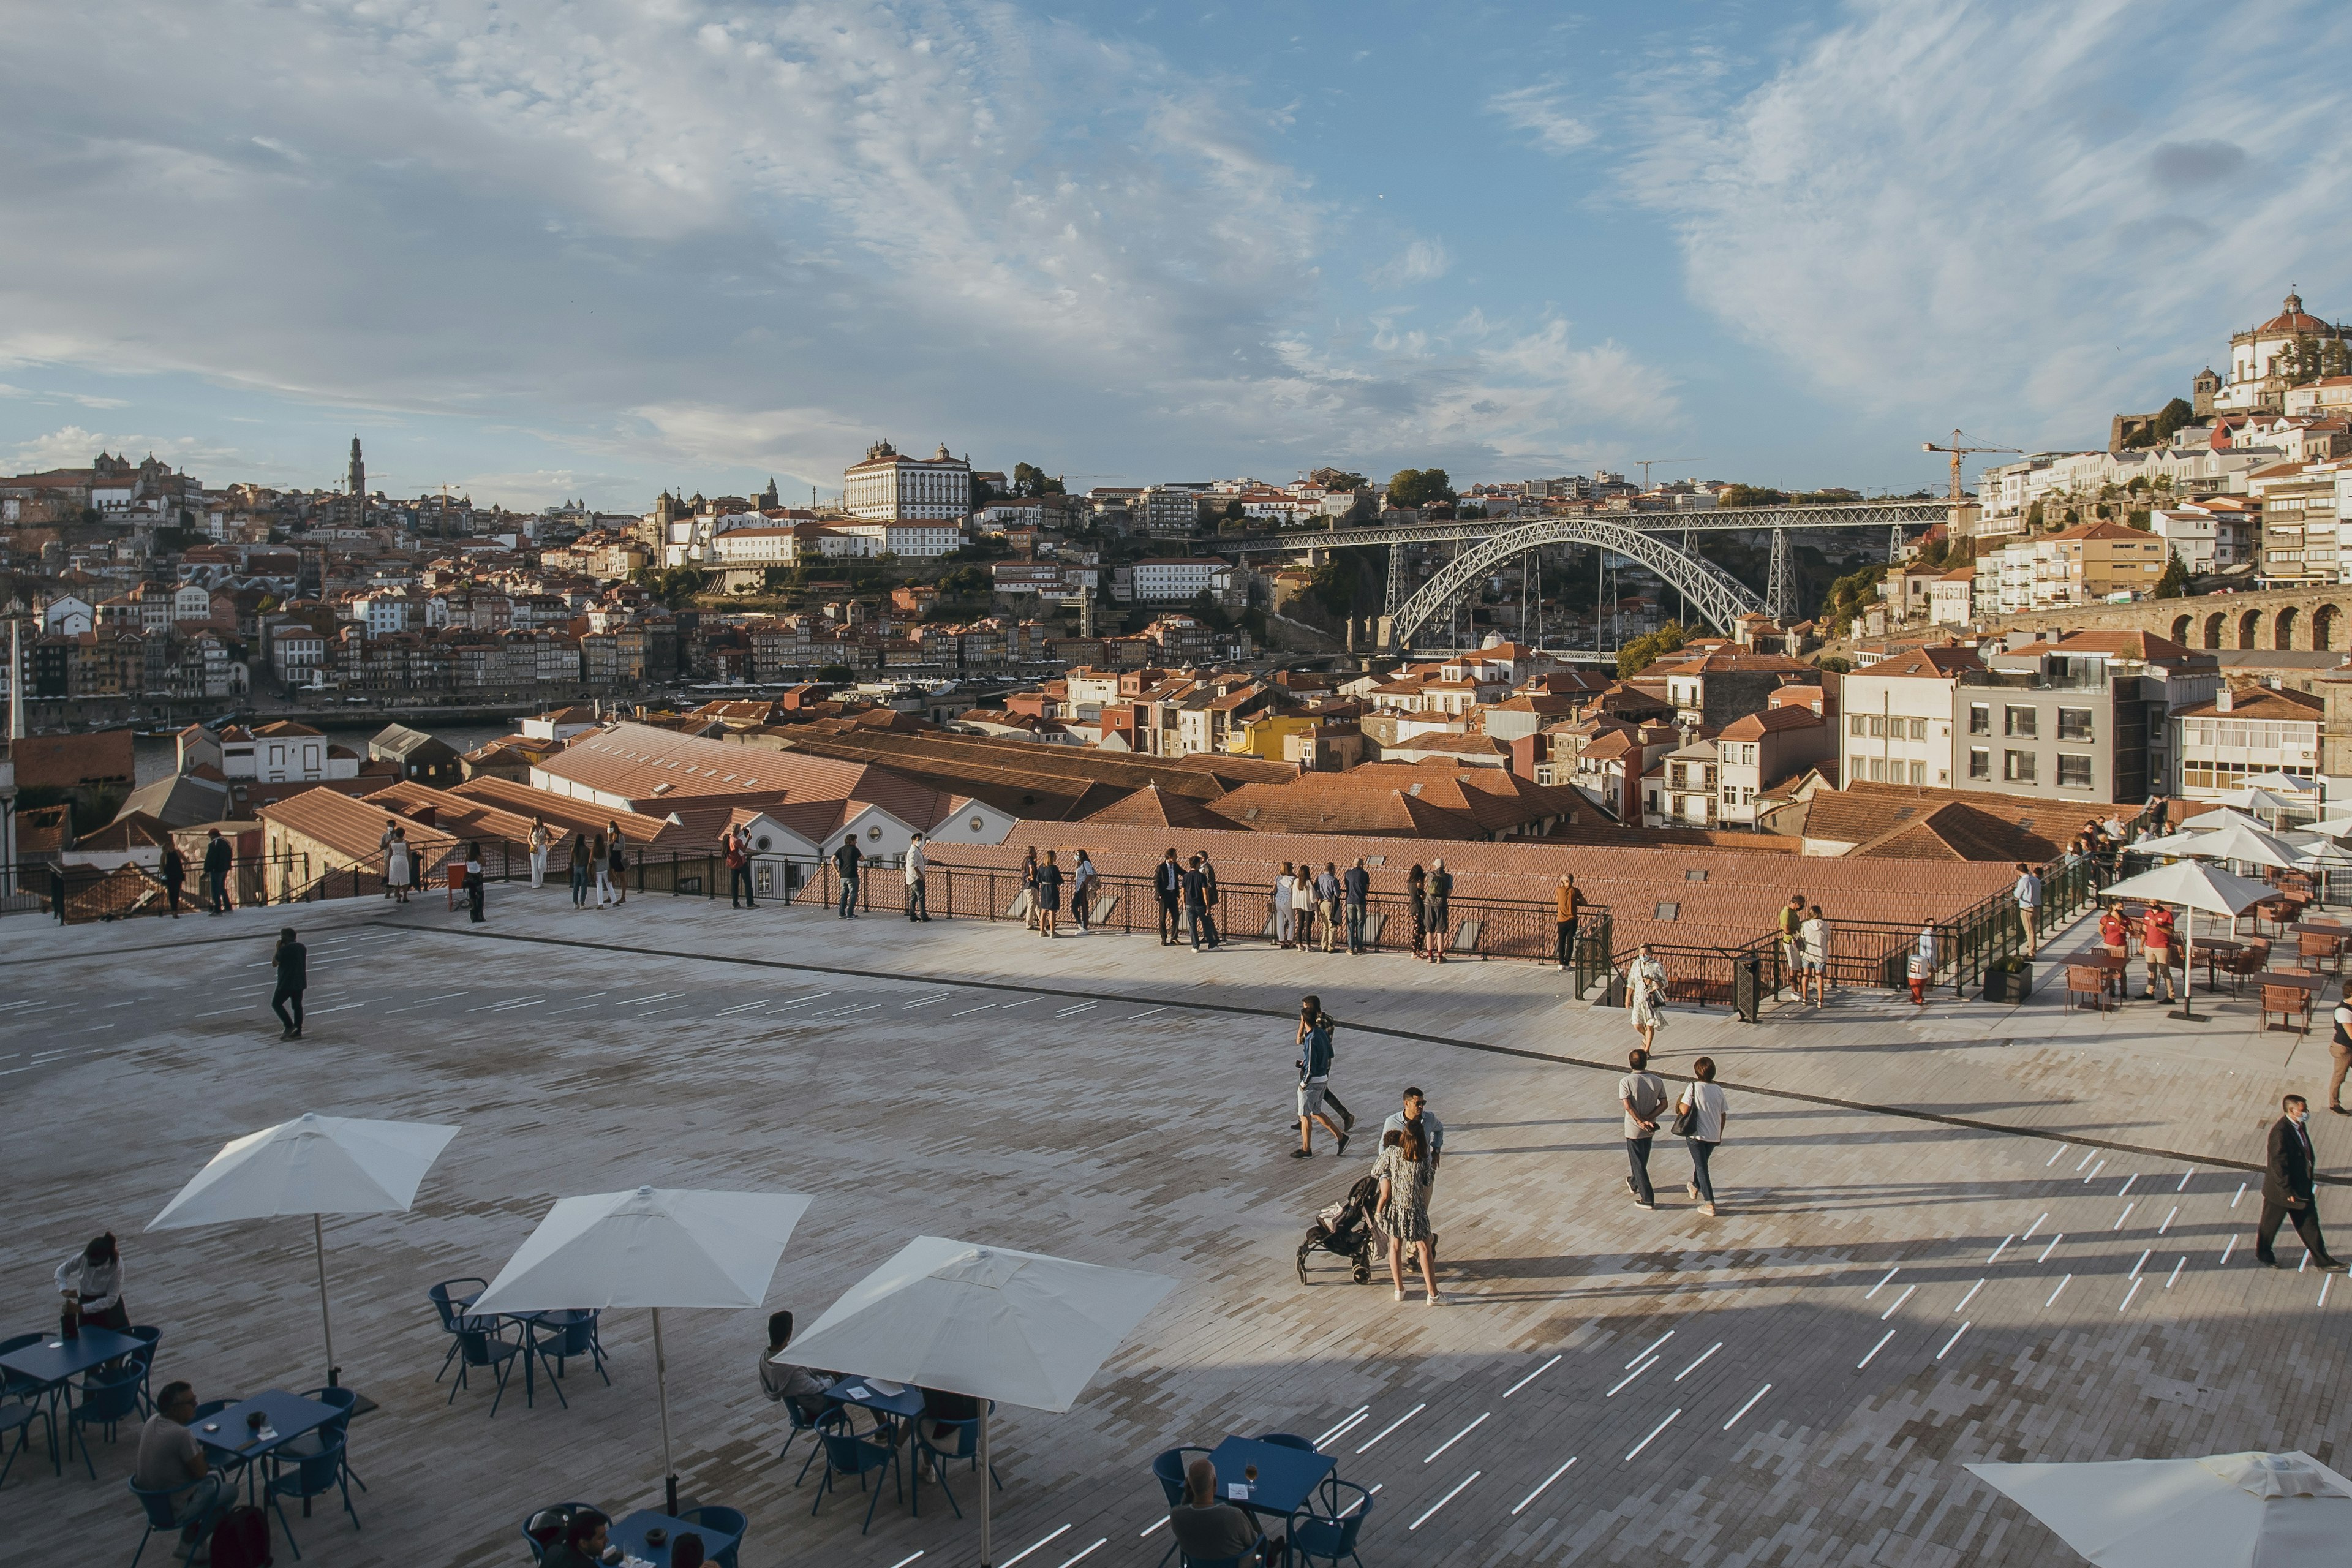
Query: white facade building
x=890 y=487
x=1179 y=578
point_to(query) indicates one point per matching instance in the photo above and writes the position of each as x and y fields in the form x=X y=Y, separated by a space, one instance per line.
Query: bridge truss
x=1714 y=594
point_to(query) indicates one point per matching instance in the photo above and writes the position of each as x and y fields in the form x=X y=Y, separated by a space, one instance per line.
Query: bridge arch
x=1717 y=597
x=2180 y=631
x=2213 y=630
x=2283 y=627
x=2250 y=630
x=2325 y=621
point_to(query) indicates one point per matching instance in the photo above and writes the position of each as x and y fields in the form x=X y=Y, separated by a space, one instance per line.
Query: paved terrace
x=1967 y=1233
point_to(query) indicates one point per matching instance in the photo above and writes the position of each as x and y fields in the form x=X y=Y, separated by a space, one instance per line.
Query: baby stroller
x=1346 y=1229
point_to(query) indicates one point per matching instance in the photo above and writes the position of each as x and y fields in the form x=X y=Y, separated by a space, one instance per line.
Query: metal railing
x=78 y=895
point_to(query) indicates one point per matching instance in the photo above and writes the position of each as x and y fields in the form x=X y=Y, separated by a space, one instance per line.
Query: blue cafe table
x=1285 y=1477
x=53 y=1364
x=629 y=1535
x=286 y=1416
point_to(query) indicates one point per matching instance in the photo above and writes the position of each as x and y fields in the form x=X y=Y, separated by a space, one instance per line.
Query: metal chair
x=1329 y=1532
x=801 y=1422
x=148 y=1338
x=565 y=1335
x=311 y=1442
x=162 y=1506
x=17 y=1413
x=16 y=1382
x=965 y=1445
x=849 y=1454
x=720 y=1521
x=315 y=1474
x=1257 y=1553
x=480 y=1342
x=1168 y=1469
x=450 y=1305
x=1287 y=1440
x=106 y=1400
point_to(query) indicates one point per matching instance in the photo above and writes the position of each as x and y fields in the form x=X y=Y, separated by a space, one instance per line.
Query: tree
x=2174 y=583
x=836 y=675
x=1852 y=594
x=1749 y=495
x=1028 y=480
x=1419 y=487
x=1348 y=482
x=1648 y=649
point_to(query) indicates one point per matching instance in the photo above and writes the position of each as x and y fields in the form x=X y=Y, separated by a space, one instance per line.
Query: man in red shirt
x=2156 y=940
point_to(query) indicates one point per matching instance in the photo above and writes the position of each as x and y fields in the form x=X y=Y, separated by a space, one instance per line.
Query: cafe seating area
x=1305 y=1512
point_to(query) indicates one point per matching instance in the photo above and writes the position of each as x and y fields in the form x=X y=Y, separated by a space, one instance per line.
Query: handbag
x=1686 y=1123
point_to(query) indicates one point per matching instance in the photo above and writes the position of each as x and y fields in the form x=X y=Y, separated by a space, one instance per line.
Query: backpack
x=241 y=1540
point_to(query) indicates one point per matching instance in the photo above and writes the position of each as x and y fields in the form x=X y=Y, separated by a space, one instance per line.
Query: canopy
x=2192 y=885
x=2254 y=798
x=2222 y=816
x=2231 y=1510
x=2285 y=782
x=2238 y=842
x=312 y=1165
x=651 y=1247
x=987 y=1322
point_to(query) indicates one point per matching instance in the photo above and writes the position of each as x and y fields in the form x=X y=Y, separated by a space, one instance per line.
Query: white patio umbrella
x=2229 y=1510
x=312 y=1165
x=2193 y=885
x=985 y=1321
x=650 y=1247
x=2254 y=798
x=2222 y=816
x=2238 y=842
x=2182 y=843
x=2282 y=783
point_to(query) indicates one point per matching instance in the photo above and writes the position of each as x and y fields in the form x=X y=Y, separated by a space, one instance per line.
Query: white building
x=2257 y=378
x=1174 y=579
x=1898 y=718
x=926 y=541
x=890 y=487
x=1167 y=511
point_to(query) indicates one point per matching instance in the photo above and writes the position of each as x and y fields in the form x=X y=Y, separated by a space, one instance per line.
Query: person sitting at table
x=2156 y=942
x=804 y=1387
x=686 y=1551
x=170 y=1458
x=1209 y=1530
x=584 y=1540
x=941 y=1407
x=92 y=1283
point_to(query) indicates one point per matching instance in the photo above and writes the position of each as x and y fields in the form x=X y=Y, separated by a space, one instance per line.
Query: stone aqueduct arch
x=2303 y=620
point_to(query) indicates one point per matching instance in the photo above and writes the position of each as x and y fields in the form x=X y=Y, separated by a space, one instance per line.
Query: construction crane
x=1644 y=465
x=1959 y=449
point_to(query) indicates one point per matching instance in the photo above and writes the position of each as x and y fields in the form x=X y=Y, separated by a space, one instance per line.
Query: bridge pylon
x=1780 y=584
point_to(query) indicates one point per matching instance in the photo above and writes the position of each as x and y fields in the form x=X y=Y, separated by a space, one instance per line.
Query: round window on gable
x=763 y=841
x=874 y=832
x=975 y=825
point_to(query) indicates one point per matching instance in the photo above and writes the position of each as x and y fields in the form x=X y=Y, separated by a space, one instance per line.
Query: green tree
x=1648 y=649
x=2174 y=583
x=1834 y=664
x=1851 y=595
x=1349 y=482
x=1419 y=487
x=836 y=675
x=2138 y=518
x=1028 y=480
x=1749 y=495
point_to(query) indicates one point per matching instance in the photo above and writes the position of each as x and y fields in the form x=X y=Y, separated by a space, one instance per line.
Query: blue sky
x=546 y=248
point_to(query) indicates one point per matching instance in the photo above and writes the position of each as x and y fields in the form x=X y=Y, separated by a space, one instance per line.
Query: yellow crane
x=1959 y=449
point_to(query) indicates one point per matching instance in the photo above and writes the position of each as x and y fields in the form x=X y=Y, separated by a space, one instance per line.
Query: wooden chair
x=2251 y=959
x=2087 y=980
x=2311 y=945
x=2293 y=1001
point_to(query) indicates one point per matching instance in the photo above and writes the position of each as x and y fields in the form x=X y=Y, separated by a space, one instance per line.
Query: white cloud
x=1539 y=111
x=2015 y=220
x=1423 y=261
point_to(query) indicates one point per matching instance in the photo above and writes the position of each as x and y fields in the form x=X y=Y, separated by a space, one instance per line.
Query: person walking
x=540 y=838
x=1310 y=1015
x=1401 y=1213
x=218 y=858
x=1029 y=887
x=1196 y=906
x=1047 y=904
x=396 y=866
x=474 y=888
x=579 y=868
x=1315 y=1081
x=1815 y=932
x=1699 y=1117
x=600 y=861
x=384 y=849
x=2155 y=931
x=1417 y=898
x=1168 y=881
x=1285 y=918
x=919 y=894
x=737 y=851
x=1646 y=995
x=617 y=862
x=2289 y=1191
x=291 y=963
x=1326 y=904
x=2339 y=1045
x=2028 y=893
x=845 y=861
x=1572 y=906
x=1642 y=1093
x=175 y=875
x=1083 y=877
x=1441 y=901
x=1358 y=884
x=1792 y=944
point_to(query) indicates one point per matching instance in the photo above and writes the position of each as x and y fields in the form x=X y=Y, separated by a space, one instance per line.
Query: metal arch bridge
x=1713 y=593
x=1915 y=513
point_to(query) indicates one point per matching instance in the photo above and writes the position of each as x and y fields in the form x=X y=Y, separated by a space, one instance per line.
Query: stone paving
x=1969 y=1233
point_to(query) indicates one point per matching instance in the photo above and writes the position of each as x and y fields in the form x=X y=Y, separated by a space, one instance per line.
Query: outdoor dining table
x=286 y=1416
x=903 y=1405
x=2314 y=984
x=53 y=1364
x=629 y=1535
x=1286 y=1477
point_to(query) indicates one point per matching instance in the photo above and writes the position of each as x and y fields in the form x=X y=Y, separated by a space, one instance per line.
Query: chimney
x=2222 y=699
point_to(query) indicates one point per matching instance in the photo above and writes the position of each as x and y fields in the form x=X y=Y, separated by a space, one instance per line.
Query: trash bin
x=1747 y=988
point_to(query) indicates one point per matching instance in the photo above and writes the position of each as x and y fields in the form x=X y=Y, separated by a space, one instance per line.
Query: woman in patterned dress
x=1403 y=1212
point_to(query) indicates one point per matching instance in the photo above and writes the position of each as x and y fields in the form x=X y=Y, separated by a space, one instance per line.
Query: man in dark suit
x=2288 y=1190
x=1169 y=882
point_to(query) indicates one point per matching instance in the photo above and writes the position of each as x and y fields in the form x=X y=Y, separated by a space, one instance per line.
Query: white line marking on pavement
x=96 y=1027
x=1024 y=1002
x=2047 y=1250
x=738 y=1007
x=1898 y=1303
x=1654 y=1431
x=1026 y=1550
x=2300 y=1267
x=801 y=1001
x=2127 y=1182
x=1875 y=1349
x=1972 y=1295
x=219 y=1011
x=1361 y=1412
x=903 y=1561
x=2124 y=1215
x=1441 y=1502
x=2096 y=1170
x=1630 y=1376
x=2129 y=1294
x=519 y=1002
x=1358 y=1503
x=2053 y=1295
x=1530 y=1378
x=2034 y=1226
x=1089 y=1552
x=1457 y=1437
x=1395 y=1424
x=1954 y=1340
x=1547 y=1481
x=2053 y=1159
x=112 y=1005
x=2002 y=1247
x=2141 y=1264
x=1875 y=1290
x=428 y=1001
x=2087 y=1155
x=2176 y=1273
x=1079 y=1008
x=634 y=1001
x=1131 y=1017
x=1653 y=1344
x=2169 y=1219
x=1747 y=1407
x=2232 y=1246
x=2184 y=1179
x=1694 y=1365
x=2241 y=1192
x=2324 y=1284
x=924 y=1001
x=983 y=1007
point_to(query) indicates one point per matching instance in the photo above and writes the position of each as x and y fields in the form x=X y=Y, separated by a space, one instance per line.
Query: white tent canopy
x=2253 y=846
x=2222 y=817
x=986 y=1321
x=312 y=1165
x=650 y=1247
x=2231 y=1510
x=2192 y=885
x=2284 y=783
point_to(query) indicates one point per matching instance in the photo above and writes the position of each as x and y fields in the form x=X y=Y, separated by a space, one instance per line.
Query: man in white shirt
x=918 y=905
x=2028 y=893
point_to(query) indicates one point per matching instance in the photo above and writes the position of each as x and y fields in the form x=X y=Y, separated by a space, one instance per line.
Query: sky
x=539 y=250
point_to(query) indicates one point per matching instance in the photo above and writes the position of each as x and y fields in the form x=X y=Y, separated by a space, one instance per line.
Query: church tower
x=358 y=477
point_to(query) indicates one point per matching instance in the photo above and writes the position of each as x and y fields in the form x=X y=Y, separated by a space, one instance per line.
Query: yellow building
x=2086 y=563
x=1263 y=734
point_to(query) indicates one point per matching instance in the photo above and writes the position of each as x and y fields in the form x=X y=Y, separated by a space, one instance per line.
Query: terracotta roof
x=350 y=828
x=2261 y=702
x=1755 y=726
x=1152 y=807
x=1937 y=663
x=1999 y=828
x=654 y=768
x=2144 y=646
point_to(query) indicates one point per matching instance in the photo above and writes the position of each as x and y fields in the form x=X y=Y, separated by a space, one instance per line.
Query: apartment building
x=2243 y=732
x=1897 y=717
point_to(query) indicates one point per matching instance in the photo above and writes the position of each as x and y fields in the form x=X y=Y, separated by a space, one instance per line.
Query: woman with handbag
x=1646 y=996
x=1699 y=1116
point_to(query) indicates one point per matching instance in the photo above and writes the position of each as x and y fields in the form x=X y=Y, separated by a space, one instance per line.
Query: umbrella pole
x=2188 y=1013
x=326 y=1323
x=661 y=1384
x=985 y=1476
